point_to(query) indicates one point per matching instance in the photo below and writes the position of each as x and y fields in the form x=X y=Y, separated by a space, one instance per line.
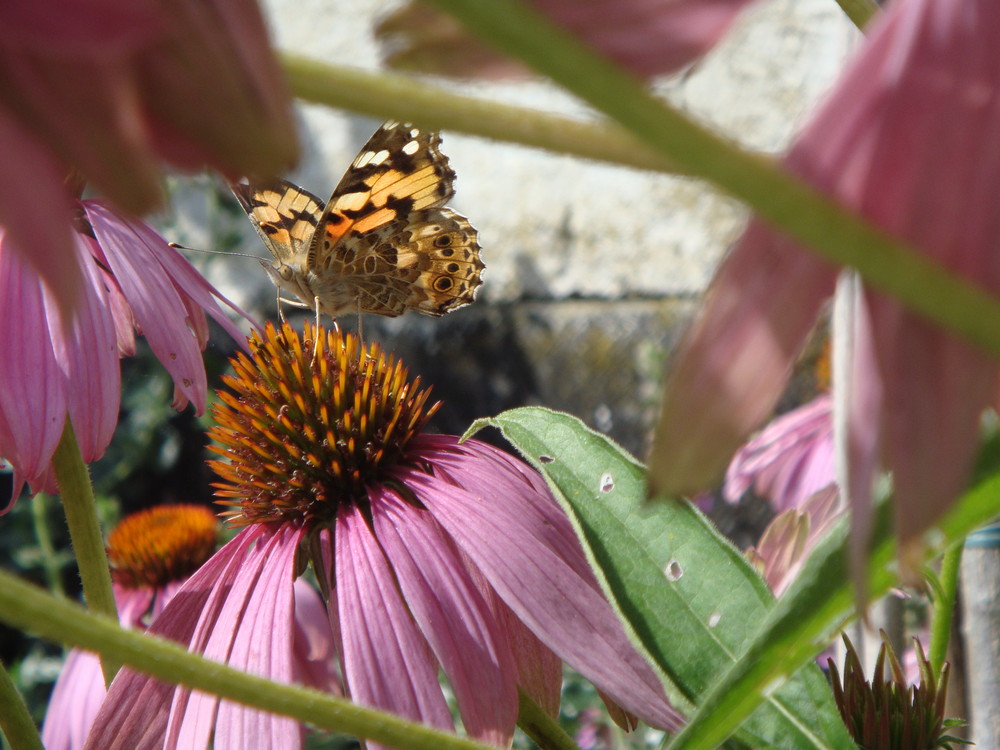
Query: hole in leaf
x=546 y=459
x=607 y=483
x=674 y=571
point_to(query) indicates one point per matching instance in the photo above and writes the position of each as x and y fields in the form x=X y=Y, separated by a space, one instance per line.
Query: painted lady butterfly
x=383 y=244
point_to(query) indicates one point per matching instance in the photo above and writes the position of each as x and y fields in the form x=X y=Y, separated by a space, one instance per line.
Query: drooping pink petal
x=539 y=670
x=452 y=616
x=519 y=548
x=315 y=648
x=32 y=386
x=85 y=346
x=649 y=37
x=734 y=362
x=261 y=644
x=75 y=701
x=142 y=264
x=386 y=662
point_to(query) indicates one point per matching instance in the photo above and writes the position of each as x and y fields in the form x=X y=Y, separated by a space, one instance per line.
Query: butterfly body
x=384 y=243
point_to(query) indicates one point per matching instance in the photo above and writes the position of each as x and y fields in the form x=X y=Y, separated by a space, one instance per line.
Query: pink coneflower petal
x=32 y=428
x=529 y=554
x=452 y=615
x=386 y=663
x=85 y=345
x=144 y=266
x=261 y=643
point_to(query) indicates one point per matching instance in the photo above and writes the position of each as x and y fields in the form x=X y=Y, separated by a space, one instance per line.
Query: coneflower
x=434 y=554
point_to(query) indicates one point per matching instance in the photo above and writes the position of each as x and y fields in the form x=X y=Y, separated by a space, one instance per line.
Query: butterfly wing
x=427 y=262
x=284 y=215
x=400 y=170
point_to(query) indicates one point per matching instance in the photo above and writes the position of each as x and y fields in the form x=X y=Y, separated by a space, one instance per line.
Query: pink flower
x=66 y=363
x=649 y=37
x=790 y=460
x=910 y=138
x=435 y=555
x=153 y=553
x=106 y=89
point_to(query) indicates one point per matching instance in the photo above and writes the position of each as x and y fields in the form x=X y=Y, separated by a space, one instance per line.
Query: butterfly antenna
x=178 y=246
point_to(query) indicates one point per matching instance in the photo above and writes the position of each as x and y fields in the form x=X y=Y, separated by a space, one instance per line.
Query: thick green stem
x=31 y=609
x=50 y=560
x=16 y=724
x=392 y=96
x=540 y=727
x=85 y=532
x=778 y=197
x=944 y=608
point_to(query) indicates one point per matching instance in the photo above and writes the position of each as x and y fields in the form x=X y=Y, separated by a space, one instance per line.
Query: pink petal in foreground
x=733 y=364
x=507 y=541
x=453 y=617
x=35 y=211
x=386 y=663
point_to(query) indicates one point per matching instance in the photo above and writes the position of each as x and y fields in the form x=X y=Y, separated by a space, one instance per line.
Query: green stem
x=787 y=202
x=859 y=11
x=16 y=724
x=50 y=561
x=944 y=608
x=85 y=533
x=31 y=609
x=540 y=727
x=392 y=96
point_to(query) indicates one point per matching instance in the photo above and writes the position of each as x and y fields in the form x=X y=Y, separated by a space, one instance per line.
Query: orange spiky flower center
x=156 y=546
x=310 y=423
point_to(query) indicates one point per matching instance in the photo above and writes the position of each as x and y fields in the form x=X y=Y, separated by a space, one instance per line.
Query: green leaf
x=689 y=596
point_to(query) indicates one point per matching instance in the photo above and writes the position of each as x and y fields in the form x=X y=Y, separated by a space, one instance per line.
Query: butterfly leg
x=361 y=332
x=281 y=313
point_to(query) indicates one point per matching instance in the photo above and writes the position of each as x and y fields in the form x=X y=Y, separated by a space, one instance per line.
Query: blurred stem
x=399 y=97
x=50 y=563
x=944 y=608
x=32 y=609
x=540 y=727
x=779 y=198
x=859 y=11
x=85 y=532
x=16 y=724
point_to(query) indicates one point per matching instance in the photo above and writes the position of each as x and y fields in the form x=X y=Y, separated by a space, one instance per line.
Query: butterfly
x=384 y=243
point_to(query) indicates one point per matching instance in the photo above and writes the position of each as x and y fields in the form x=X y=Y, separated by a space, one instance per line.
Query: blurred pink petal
x=649 y=37
x=113 y=87
x=35 y=210
x=790 y=460
x=910 y=138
